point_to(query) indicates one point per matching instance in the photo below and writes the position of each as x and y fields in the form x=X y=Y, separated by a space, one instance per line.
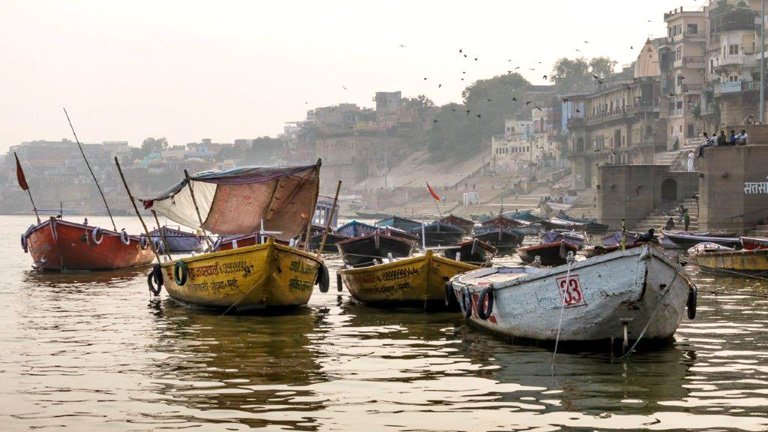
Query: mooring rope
x=653 y=314
x=571 y=259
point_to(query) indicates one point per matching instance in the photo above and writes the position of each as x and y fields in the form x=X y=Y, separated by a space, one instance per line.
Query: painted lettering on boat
x=302 y=268
x=570 y=291
x=299 y=285
x=203 y=271
x=234 y=267
x=388 y=289
x=393 y=275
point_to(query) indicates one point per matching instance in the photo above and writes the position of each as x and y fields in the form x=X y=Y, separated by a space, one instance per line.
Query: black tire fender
x=450 y=297
x=693 y=295
x=484 y=310
x=323 y=279
x=180 y=271
x=466 y=302
x=155 y=280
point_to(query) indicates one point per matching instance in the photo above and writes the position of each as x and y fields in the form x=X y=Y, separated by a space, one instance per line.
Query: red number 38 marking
x=570 y=291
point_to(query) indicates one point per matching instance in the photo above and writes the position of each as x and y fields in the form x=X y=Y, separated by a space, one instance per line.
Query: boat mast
x=91 y=171
x=29 y=192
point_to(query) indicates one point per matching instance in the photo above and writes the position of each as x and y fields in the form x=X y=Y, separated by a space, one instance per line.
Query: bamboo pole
x=130 y=196
x=109 y=212
x=197 y=209
x=29 y=192
x=162 y=236
x=330 y=219
x=314 y=206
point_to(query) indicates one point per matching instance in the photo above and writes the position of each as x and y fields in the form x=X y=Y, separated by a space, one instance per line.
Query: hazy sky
x=188 y=70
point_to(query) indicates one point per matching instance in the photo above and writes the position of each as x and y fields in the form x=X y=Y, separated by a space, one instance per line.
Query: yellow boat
x=739 y=261
x=261 y=276
x=416 y=281
x=233 y=202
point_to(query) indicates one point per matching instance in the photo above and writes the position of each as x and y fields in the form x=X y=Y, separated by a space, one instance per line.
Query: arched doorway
x=669 y=190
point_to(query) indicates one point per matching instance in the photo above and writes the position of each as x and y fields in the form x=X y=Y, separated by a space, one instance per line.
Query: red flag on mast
x=433 y=193
x=20 y=174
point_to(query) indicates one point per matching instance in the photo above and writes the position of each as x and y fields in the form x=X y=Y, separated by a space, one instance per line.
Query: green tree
x=150 y=145
x=578 y=75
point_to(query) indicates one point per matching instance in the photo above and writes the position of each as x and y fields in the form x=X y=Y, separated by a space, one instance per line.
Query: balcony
x=736 y=87
x=621 y=113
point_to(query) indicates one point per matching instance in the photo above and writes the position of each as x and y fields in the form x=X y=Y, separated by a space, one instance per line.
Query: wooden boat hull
x=178 y=240
x=472 y=251
x=415 y=281
x=552 y=254
x=330 y=242
x=257 y=277
x=738 y=261
x=502 y=239
x=640 y=286
x=751 y=243
x=685 y=241
x=363 y=250
x=58 y=245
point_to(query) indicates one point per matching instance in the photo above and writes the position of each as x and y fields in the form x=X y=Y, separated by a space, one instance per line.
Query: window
x=692 y=29
x=733 y=49
x=679 y=80
x=711 y=66
x=679 y=105
x=733 y=78
x=678 y=53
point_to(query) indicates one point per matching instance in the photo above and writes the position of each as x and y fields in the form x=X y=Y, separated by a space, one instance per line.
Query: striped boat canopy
x=236 y=201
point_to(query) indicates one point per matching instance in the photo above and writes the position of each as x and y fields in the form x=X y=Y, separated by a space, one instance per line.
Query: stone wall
x=632 y=192
x=724 y=204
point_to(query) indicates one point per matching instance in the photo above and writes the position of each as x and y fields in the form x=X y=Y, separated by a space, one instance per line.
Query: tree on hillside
x=462 y=129
x=150 y=145
x=577 y=75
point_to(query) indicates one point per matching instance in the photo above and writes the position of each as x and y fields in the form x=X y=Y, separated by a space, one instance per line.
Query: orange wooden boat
x=59 y=245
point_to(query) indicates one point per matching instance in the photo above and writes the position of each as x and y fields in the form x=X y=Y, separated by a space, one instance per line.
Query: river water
x=92 y=352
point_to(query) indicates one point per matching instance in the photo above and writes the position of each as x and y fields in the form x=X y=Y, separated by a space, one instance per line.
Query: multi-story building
x=733 y=62
x=623 y=122
x=685 y=80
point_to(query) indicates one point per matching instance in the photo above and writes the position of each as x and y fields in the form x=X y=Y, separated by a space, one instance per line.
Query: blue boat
x=178 y=240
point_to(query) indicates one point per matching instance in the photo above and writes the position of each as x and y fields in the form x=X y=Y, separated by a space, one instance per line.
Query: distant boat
x=563 y=224
x=59 y=245
x=524 y=215
x=504 y=239
x=417 y=281
x=399 y=223
x=356 y=229
x=330 y=242
x=467 y=224
x=751 y=243
x=591 y=226
x=362 y=214
x=177 y=239
x=471 y=251
x=357 y=251
x=440 y=234
x=612 y=242
x=639 y=290
x=550 y=254
x=572 y=237
x=685 y=240
x=714 y=256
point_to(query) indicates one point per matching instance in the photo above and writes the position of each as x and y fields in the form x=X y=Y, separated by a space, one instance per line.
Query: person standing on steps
x=686 y=219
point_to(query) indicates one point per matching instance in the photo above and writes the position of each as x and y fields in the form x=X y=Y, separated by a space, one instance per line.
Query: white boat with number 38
x=639 y=289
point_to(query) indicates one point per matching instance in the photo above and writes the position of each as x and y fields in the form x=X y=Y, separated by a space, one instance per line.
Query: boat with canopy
x=266 y=275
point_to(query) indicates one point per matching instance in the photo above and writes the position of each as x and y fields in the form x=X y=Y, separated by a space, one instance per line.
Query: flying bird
x=434 y=121
x=545 y=77
x=478 y=116
x=578 y=50
x=531 y=69
x=631 y=47
x=425 y=78
x=528 y=102
x=439 y=85
x=344 y=87
x=402 y=46
x=461 y=50
x=586 y=41
x=489 y=100
x=467 y=112
x=565 y=99
x=463 y=72
x=514 y=98
x=578 y=110
x=465 y=56
x=475 y=58
x=535 y=107
x=595 y=76
x=453 y=109
x=517 y=68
